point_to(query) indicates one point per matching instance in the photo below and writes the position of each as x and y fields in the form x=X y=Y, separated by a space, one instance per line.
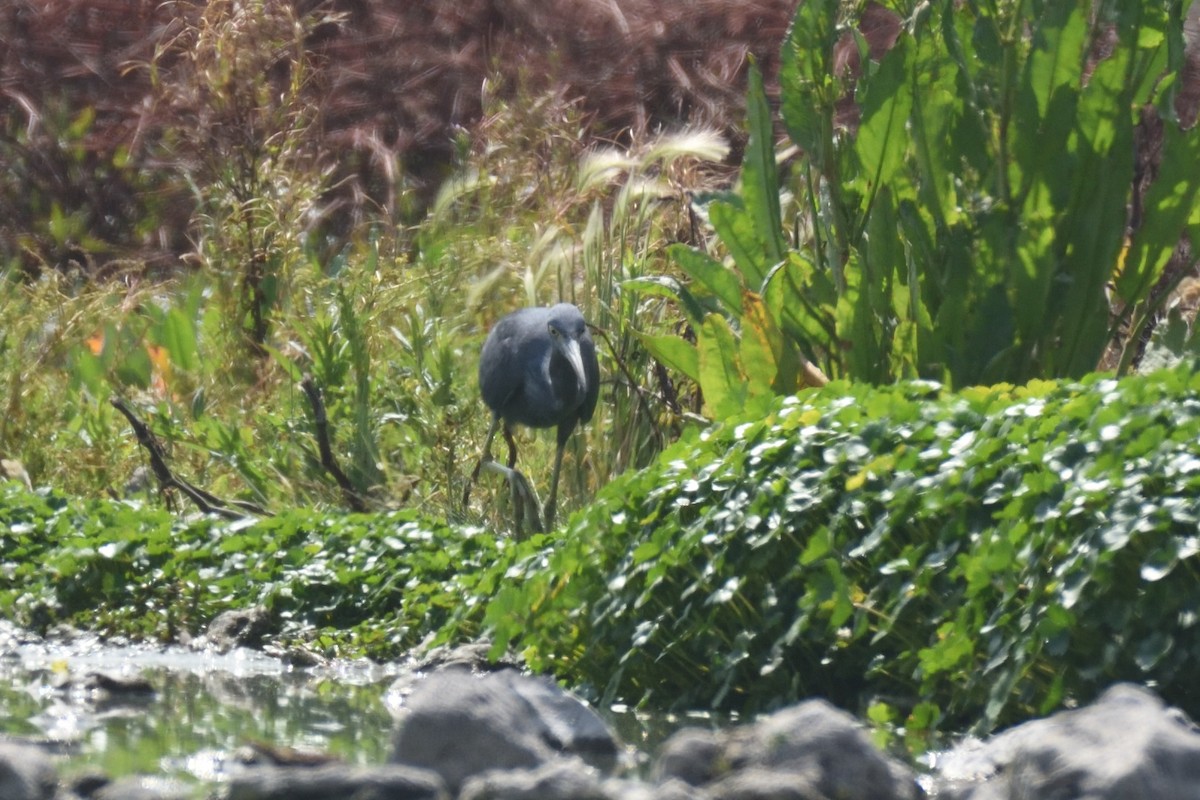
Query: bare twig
x=205 y=501
x=352 y=496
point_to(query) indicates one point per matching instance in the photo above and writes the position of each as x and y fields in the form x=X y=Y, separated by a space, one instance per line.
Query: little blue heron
x=538 y=368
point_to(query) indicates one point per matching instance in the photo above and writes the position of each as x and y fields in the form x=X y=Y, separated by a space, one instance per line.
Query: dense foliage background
x=852 y=439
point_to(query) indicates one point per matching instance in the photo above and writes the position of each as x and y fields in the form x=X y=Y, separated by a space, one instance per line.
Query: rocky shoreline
x=469 y=731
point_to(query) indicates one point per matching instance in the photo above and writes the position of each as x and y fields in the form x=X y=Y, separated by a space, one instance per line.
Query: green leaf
x=288 y=365
x=673 y=352
x=760 y=179
x=806 y=78
x=714 y=276
x=670 y=288
x=178 y=335
x=1173 y=341
x=736 y=227
x=81 y=125
x=761 y=352
x=722 y=378
x=1171 y=199
x=1056 y=60
x=133 y=367
x=883 y=139
x=1094 y=232
x=88 y=369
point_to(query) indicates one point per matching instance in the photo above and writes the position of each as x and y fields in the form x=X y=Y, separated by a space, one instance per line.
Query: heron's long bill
x=570 y=349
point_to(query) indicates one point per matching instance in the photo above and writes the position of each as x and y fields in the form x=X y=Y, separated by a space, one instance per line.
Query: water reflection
x=203 y=708
x=197 y=713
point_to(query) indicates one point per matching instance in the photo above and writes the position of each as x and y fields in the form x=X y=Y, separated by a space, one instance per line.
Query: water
x=206 y=710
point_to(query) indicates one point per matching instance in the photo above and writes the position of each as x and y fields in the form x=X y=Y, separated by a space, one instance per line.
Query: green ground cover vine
x=345 y=584
x=933 y=558
x=973 y=557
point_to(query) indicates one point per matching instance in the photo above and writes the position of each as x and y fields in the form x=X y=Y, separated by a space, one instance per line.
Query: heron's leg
x=552 y=500
x=525 y=502
x=486 y=456
x=512 y=447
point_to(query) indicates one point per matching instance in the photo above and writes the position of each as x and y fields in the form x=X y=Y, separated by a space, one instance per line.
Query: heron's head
x=565 y=333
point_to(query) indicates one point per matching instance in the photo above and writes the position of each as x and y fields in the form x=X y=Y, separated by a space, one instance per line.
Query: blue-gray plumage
x=538 y=368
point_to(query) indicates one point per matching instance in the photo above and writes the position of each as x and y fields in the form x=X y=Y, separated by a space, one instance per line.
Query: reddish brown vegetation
x=399 y=78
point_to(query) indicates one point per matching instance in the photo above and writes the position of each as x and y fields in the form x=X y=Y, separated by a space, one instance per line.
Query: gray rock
x=143 y=787
x=87 y=783
x=1125 y=746
x=243 y=627
x=671 y=789
x=460 y=724
x=570 y=779
x=111 y=690
x=810 y=750
x=564 y=722
x=561 y=779
x=383 y=782
x=26 y=773
x=693 y=755
x=756 y=783
x=474 y=655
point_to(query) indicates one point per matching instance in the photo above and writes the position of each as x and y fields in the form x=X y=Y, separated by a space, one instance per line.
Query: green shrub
x=973 y=227
x=969 y=557
x=352 y=584
x=976 y=556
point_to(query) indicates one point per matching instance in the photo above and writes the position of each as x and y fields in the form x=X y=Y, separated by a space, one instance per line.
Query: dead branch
x=205 y=501
x=354 y=499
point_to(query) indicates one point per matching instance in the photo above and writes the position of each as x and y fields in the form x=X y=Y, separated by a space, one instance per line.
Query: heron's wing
x=591 y=371
x=500 y=374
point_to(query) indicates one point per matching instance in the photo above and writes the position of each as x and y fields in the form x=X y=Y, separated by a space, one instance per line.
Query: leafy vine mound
x=933 y=558
x=952 y=558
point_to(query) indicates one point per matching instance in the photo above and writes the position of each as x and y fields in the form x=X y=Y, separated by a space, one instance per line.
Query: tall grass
x=389 y=321
x=242 y=81
x=52 y=335
x=538 y=218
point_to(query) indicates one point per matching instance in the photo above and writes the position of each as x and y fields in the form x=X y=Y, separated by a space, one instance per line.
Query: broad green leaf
x=722 y=378
x=947 y=139
x=673 y=352
x=1094 y=232
x=1056 y=59
x=668 y=287
x=133 y=367
x=88 y=369
x=178 y=335
x=801 y=299
x=761 y=350
x=883 y=139
x=1174 y=340
x=860 y=319
x=714 y=276
x=760 y=178
x=1166 y=208
x=736 y=227
x=806 y=77
x=1043 y=164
